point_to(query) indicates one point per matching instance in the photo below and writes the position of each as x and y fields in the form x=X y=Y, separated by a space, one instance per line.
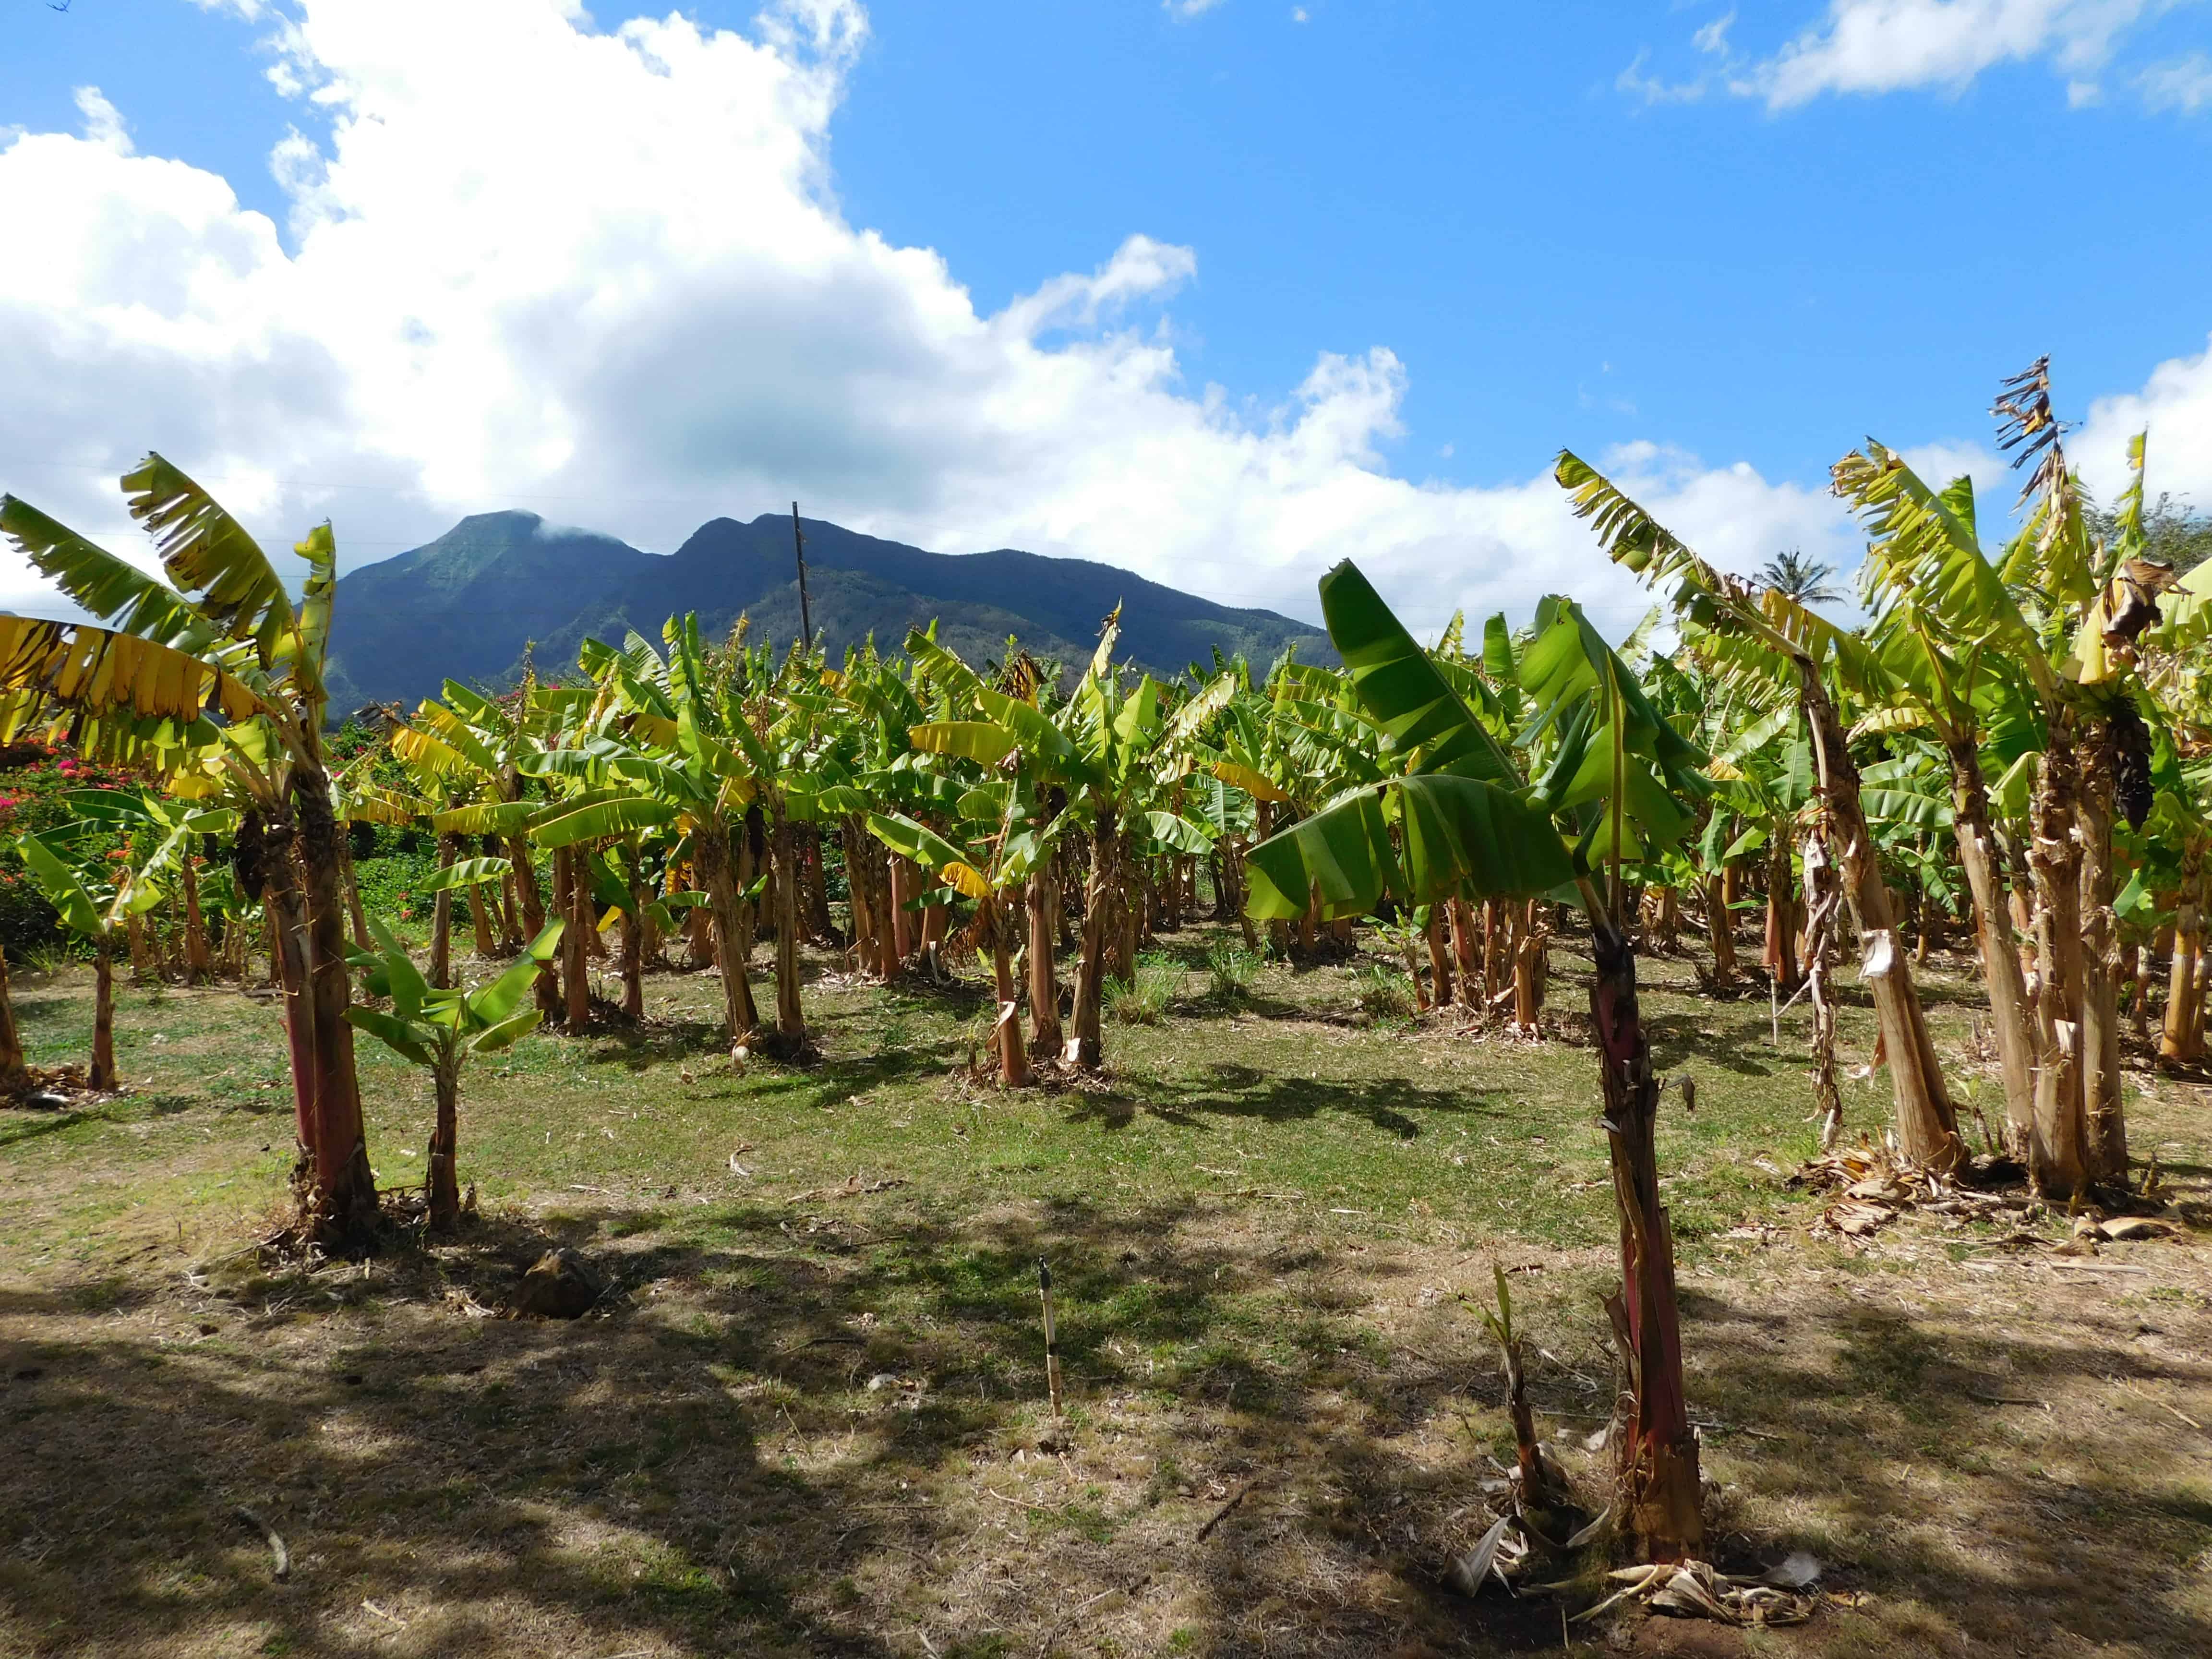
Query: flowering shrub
x=34 y=778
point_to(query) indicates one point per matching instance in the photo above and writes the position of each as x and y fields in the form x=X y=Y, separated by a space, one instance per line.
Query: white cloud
x=1187 y=8
x=2175 y=408
x=601 y=275
x=103 y=124
x=1888 y=46
x=1711 y=40
x=2183 y=84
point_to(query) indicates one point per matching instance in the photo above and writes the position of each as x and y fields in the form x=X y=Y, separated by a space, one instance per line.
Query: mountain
x=464 y=606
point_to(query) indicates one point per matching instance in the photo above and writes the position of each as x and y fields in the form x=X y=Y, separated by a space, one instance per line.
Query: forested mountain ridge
x=464 y=605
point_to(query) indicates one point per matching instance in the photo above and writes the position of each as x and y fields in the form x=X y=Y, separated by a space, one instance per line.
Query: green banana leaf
x=467 y=872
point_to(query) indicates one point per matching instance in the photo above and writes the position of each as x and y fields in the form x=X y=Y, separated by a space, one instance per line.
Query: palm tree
x=1796 y=577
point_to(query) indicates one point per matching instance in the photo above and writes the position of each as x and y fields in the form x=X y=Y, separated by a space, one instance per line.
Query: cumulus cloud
x=1888 y=46
x=2174 y=407
x=602 y=274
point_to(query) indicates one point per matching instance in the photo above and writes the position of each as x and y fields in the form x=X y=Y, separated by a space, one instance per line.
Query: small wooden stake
x=1051 y=1350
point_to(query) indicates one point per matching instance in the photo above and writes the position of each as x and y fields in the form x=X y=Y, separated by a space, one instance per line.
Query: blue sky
x=1597 y=225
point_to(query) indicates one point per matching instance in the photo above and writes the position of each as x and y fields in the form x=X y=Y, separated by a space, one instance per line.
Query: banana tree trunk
x=575 y=939
x=1658 y=1467
x=1278 y=931
x=2059 y=1156
x=903 y=889
x=441 y=1188
x=790 y=1020
x=199 y=963
x=1720 y=931
x=883 y=894
x=821 y=926
x=867 y=956
x=103 y=1078
x=1467 y=950
x=1531 y=942
x=633 y=935
x=2010 y=1011
x=2175 y=1041
x=711 y=855
x=145 y=968
x=1497 y=949
x=2103 y=1113
x=345 y=1186
x=2199 y=986
x=933 y=922
x=1006 y=1033
x=264 y=860
x=441 y=923
x=1781 y=956
x=1927 y=1129
x=480 y=923
x=352 y=886
x=15 y=1071
x=1063 y=870
x=507 y=914
x=1233 y=890
x=547 y=990
x=699 y=936
x=1087 y=1048
x=1440 y=969
x=1045 y=1035
x=1823 y=898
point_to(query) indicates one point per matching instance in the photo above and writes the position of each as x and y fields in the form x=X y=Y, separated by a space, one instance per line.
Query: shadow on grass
x=21 y=1124
x=1226 y=1088
x=795 y=1431
x=656 y=1480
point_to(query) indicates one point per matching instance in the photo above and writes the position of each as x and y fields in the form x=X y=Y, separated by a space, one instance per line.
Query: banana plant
x=220 y=639
x=1763 y=632
x=96 y=897
x=163 y=833
x=1454 y=816
x=473 y=745
x=1108 y=752
x=441 y=1030
x=990 y=857
x=2029 y=649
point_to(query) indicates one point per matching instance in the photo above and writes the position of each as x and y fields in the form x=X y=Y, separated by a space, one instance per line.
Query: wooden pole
x=799 y=552
x=1051 y=1349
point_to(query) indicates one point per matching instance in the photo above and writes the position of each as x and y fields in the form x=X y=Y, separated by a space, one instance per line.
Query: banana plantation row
x=2013 y=740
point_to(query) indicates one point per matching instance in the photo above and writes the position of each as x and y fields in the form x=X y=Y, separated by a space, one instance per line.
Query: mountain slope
x=464 y=605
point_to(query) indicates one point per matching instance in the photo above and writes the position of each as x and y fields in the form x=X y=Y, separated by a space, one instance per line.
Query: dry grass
x=811 y=1423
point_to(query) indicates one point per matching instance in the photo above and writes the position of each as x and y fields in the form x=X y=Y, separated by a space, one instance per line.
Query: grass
x=1143 y=998
x=1232 y=967
x=808 y=1418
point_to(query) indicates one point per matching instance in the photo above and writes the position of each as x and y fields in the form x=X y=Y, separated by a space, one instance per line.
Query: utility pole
x=798 y=551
